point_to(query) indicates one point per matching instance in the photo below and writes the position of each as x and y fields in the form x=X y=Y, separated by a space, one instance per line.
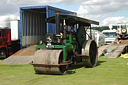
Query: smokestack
x=57 y=20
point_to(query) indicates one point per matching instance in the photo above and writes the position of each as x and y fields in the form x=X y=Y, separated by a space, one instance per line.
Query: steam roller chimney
x=57 y=21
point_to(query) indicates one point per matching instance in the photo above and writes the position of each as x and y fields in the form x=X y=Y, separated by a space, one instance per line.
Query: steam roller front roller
x=49 y=62
x=89 y=49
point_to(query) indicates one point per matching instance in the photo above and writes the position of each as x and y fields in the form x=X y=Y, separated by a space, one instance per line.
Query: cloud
x=114 y=21
x=100 y=9
x=41 y=2
x=7 y=8
x=91 y=9
x=4 y=21
x=12 y=6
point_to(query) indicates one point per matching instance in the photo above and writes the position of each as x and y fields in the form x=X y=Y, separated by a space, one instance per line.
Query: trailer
x=8 y=46
x=15 y=35
x=33 y=26
x=115 y=49
x=9 y=39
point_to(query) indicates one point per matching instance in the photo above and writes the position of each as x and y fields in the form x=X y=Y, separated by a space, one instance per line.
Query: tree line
x=103 y=28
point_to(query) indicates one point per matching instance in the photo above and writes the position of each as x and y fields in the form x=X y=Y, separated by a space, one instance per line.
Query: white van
x=110 y=36
x=97 y=36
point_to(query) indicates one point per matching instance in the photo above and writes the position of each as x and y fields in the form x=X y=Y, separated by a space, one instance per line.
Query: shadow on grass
x=99 y=63
x=72 y=68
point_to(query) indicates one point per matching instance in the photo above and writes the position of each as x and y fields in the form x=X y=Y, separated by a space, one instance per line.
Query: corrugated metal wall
x=33 y=27
x=32 y=23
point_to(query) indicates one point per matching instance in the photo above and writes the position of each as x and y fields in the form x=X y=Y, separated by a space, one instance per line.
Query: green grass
x=108 y=72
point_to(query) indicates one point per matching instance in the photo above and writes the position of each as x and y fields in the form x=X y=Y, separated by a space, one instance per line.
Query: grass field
x=107 y=72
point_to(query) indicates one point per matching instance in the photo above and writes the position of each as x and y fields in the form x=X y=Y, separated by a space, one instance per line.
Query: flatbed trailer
x=115 y=49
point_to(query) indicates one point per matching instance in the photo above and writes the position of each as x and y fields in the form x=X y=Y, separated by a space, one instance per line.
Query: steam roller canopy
x=48 y=62
x=90 y=50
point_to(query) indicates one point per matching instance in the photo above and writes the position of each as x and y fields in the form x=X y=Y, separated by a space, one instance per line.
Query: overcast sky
x=105 y=11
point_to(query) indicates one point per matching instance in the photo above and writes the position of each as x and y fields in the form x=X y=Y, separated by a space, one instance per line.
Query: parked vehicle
x=9 y=39
x=7 y=46
x=5 y=42
x=110 y=36
x=97 y=36
x=122 y=30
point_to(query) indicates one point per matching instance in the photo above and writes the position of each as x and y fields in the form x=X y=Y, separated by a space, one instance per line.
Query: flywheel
x=90 y=51
x=49 y=62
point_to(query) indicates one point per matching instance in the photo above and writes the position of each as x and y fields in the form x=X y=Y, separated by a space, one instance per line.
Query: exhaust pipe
x=57 y=20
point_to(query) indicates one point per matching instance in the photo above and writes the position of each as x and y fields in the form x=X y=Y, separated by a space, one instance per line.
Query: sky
x=106 y=12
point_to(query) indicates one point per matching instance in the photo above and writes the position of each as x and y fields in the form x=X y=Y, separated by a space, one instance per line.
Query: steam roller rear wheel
x=47 y=60
x=90 y=50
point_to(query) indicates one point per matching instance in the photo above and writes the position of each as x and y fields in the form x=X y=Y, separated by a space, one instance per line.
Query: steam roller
x=67 y=46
